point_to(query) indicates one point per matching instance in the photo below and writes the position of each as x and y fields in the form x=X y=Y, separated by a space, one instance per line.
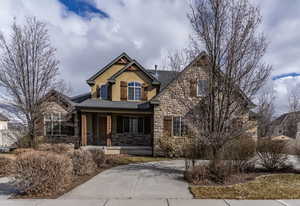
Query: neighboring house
x=286 y=125
x=3 y=122
x=127 y=105
x=7 y=138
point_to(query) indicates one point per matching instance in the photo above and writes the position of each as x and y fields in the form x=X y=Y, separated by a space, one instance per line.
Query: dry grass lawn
x=277 y=186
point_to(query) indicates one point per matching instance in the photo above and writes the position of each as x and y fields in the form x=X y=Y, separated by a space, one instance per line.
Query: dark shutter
x=167 y=126
x=147 y=125
x=97 y=91
x=144 y=92
x=193 y=88
x=109 y=96
x=123 y=90
x=119 y=124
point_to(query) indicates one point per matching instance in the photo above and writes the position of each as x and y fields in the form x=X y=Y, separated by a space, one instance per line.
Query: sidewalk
x=148 y=202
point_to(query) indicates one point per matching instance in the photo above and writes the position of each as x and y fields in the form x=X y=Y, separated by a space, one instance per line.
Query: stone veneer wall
x=172 y=106
x=126 y=139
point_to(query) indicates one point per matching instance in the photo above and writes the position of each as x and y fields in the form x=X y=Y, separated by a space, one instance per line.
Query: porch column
x=83 y=129
x=108 y=130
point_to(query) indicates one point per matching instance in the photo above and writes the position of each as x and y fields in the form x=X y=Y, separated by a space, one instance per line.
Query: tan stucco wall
x=127 y=76
x=102 y=79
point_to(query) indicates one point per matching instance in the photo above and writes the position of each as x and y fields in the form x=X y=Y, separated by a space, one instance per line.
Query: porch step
x=131 y=150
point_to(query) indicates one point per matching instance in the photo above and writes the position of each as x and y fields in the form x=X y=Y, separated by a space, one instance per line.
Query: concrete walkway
x=156 y=180
x=149 y=202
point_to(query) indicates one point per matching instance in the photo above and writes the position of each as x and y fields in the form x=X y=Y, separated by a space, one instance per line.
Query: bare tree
x=266 y=110
x=228 y=32
x=294 y=110
x=28 y=69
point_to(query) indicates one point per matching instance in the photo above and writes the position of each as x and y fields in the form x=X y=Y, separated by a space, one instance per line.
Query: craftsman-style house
x=128 y=106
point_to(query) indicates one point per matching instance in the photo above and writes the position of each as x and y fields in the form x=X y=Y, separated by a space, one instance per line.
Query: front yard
x=111 y=161
x=277 y=186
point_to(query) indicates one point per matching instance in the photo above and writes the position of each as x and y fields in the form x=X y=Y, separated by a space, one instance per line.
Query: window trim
x=181 y=124
x=134 y=87
x=133 y=117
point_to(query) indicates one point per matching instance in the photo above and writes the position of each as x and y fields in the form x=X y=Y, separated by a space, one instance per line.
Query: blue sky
x=83 y=8
x=282 y=76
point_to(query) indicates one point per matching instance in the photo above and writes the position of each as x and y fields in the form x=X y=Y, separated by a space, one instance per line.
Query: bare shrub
x=7 y=166
x=42 y=172
x=57 y=148
x=241 y=152
x=272 y=155
x=83 y=163
x=216 y=172
x=197 y=175
x=169 y=147
x=98 y=157
x=220 y=170
x=19 y=151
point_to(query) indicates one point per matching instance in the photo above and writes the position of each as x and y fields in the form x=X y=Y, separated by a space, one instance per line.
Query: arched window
x=134 y=91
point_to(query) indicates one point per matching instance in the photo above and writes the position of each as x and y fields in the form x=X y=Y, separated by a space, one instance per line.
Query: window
x=104 y=92
x=134 y=91
x=201 y=87
x=134 y=125
x=179 y=126
x=53 y=124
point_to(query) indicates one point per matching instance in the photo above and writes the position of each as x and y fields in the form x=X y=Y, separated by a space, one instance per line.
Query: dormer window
x=104 y=91
x=134 y=91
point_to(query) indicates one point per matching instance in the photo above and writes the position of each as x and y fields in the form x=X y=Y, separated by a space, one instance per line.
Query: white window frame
x=198 y=82
x=134 y=91
x=52 y=123
x=180 y=124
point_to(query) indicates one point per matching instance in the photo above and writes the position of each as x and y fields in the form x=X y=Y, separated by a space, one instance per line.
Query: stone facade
x=126 y=139
x=171 y=105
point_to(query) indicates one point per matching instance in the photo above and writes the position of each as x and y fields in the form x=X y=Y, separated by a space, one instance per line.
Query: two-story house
x=127 y=106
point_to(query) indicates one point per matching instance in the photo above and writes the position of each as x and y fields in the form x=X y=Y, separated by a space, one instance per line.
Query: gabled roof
x=163 y=76
x=112 y=79
x=200 y=56
x=3 y=118
x=81 y=97
x=101 y=71
x=65 y=101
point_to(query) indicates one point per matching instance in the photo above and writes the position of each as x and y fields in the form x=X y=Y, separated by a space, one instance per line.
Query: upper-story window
x=134 y=91
x=104 y=91
x=202 y=87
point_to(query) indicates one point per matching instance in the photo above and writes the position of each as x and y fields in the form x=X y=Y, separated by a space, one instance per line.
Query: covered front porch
x=116 y=129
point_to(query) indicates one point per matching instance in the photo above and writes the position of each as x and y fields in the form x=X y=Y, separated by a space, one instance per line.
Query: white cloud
x=146 y=30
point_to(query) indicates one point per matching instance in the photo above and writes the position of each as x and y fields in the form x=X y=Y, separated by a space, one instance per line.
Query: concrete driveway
x=6 y=188
x=156 y=180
